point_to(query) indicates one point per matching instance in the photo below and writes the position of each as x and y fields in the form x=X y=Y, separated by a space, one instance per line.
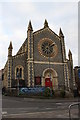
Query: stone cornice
x=44 y=62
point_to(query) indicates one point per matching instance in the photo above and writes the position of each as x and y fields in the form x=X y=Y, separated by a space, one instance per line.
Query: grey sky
x=14 y=18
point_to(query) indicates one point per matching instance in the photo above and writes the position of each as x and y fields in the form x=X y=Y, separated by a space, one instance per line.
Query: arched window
x=19 y=72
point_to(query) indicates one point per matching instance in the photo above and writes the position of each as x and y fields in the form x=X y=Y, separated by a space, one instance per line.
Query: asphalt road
x=13 y=107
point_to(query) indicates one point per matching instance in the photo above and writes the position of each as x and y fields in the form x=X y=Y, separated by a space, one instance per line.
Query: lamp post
x=18 y=83
x=49 y=68
x=50 y=77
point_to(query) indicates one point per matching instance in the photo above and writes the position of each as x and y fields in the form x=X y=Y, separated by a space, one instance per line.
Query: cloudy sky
x=14 y=18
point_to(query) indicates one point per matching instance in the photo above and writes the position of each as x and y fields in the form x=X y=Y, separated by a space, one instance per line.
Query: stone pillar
x=30 y=56
x=62 y=45
x=64 y=59
x=72 y=81
x=9 y=77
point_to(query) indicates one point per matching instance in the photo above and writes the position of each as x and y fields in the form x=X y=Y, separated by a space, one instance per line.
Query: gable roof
x=23 y=47
x=43 y=29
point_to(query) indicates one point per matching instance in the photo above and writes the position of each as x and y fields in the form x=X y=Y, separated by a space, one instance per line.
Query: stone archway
x=52 y=74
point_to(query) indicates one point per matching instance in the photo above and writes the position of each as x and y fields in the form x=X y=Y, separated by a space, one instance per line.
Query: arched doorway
x=50 y=78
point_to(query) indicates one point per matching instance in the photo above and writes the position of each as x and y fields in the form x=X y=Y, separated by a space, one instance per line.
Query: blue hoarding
x=34 y=90
x=79 y=73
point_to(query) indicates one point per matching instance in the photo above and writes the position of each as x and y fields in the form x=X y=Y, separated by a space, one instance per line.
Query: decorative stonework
x=52 y=63
x=9 y=72
x=28 y=74
x=66 y=77
x=30 y=58
x=63 y=49
x=50 y=48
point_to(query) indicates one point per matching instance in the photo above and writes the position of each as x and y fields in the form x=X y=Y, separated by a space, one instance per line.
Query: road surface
x=14 y=107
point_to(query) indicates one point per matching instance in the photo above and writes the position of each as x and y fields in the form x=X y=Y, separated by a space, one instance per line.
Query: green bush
x=47 y=92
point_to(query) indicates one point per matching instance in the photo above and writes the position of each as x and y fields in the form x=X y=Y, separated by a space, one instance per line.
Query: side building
x=77 y=78
x=40 y=61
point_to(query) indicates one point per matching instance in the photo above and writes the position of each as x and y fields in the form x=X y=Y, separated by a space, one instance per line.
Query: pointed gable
x=48 y=30
x=44 y=30
x=23 y=48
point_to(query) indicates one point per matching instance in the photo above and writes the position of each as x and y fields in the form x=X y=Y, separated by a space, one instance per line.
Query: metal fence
x=74 y=111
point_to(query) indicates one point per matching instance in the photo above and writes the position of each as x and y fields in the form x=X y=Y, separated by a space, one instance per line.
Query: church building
x=40 y=61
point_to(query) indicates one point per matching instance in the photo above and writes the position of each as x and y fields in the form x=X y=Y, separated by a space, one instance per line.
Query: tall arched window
x=19 y=72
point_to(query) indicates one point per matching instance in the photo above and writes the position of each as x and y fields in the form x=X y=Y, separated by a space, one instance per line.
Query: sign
x=37 y=80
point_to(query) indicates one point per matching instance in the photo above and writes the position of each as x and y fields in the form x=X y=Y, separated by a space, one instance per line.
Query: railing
x=70 y=106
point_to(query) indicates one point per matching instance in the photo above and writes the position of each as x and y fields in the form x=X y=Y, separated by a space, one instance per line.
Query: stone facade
x=42 y=56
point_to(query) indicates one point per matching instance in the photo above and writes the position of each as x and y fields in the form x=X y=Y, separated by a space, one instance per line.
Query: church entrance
x=48 y=82
x=50 y=78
